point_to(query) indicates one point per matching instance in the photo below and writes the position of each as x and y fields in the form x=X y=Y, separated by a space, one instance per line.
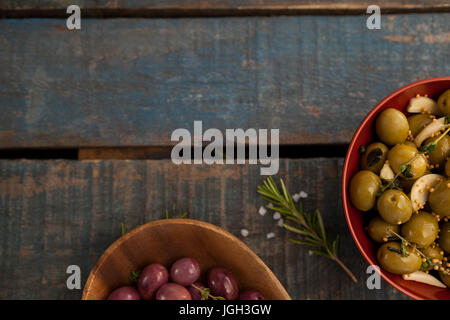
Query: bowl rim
x=180 y=221
x=345 y=174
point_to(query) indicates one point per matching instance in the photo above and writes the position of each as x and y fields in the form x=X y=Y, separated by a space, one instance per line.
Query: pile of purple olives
x=155 y=282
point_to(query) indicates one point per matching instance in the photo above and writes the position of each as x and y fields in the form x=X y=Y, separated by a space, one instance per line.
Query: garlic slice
x=420 y=104
x=386 y=172
x=423 y=277
x=421 y=189
x=435 y=126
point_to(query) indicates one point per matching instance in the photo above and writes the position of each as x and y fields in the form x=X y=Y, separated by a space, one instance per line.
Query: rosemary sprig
x=122 y=227
x=134 y=276
x=431 y=146
x=309 y=226
x=182 y=216
x=206 y=293
x=428 y=261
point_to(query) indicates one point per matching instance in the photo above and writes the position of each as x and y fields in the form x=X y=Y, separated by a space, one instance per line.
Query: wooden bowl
x=355 y=219
x=165 y=241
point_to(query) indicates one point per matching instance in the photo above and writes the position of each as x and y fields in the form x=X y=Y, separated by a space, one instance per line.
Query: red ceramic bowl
x=363 y=136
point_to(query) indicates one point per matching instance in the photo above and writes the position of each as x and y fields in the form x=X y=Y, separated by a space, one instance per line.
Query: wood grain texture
x=57 y=213
x=131 y=82
x=149 y=8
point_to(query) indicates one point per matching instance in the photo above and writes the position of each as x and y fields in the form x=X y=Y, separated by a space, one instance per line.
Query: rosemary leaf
x=309 y=226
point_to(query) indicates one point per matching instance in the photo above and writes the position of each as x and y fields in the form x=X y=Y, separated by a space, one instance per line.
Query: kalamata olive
x=392 y=127
x=394 y=207
x=222 y=283
x=379 y=230
x=440 y=199
x=185 y=271
x=444 y=102
x=251 y=294
x=374 y=157
x=444 y=237
x=195 y=293
x=391 y=259
x=417 y=122
x=151 y=279
x=422 y=229
x=441 y=152
x=124 y=293
x=401 y=154
x=364 y=187
x=173 y=291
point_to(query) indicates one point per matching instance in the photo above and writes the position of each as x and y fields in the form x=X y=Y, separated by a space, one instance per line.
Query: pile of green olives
x=404 y=181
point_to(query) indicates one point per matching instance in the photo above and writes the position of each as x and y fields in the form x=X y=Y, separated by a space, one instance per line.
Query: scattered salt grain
x=310 y=252
x=270 y=235
x=244 y=232
x=296 y=197
x=276 y=216
x=280 y=223
x=303 y=194
x=262 y=211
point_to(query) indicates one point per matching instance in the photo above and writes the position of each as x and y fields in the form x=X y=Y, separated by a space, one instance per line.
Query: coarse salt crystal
x=270 y=235
x=296 y=197
x=276 y=216
x=280 y=223
x=262 y=211
x=244 y=232
x=303 y=194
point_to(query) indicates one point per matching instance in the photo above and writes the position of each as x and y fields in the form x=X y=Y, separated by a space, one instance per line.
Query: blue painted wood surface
x=58 y=213
x=131 y=82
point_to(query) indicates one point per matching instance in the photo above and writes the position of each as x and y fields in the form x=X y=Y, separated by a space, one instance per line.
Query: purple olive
x=124 y=293
x=251 y=294
x=222 y=283
x=195 y=293
x=173 y=291
x=185 y=271
x=151 y=279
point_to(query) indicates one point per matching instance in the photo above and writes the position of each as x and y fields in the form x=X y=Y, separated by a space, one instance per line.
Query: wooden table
x=87 y=116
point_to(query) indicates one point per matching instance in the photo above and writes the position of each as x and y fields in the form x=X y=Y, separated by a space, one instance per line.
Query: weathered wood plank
x=57 y=213
x=149 y=8
x=131 y=82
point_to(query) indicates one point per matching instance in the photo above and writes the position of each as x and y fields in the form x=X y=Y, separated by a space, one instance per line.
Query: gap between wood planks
x=241 y=11
x=158 y=153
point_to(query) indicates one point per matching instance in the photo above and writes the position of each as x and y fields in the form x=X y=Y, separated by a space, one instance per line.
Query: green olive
x=445 y=278
x=394 y=207
x=392 y=127
x=444 y=102
x=442 y=151
x=401 y=154
x=447 y=168
x=418 y=122
x=444 y=237
x=422 y=229
x=364 y=187
x=433 y=252
x=391 y=259
x=374 y=157
x=440 y=199
x=410 y=143
x=379 y=230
